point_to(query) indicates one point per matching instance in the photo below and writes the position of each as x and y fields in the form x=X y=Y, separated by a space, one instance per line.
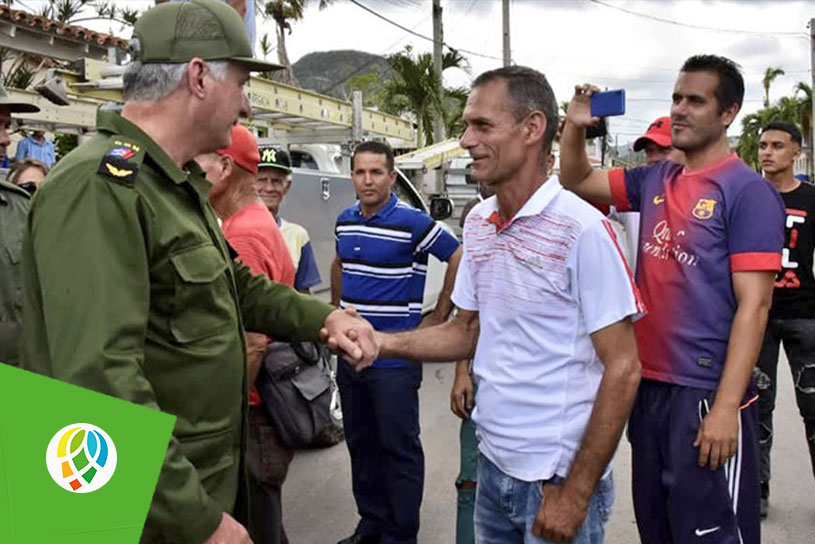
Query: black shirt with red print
x=794 y=294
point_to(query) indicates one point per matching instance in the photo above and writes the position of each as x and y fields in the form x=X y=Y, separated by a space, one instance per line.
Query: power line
x=697 y=27
x=422 y=36
x=469 y=9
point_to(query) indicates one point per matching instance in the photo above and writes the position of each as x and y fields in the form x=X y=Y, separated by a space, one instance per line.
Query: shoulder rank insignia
x=122 y=161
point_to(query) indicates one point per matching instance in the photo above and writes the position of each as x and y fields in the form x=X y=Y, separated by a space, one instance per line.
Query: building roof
x=50 y=26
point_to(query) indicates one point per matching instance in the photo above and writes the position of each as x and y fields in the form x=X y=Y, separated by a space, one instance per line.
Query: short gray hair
x=148 y=82
x=528 y=91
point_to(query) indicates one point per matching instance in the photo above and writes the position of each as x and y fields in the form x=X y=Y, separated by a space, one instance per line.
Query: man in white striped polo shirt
x=545 y=302
x=382 y=251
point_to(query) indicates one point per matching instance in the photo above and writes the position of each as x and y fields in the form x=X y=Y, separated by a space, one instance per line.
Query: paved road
x=319 y=507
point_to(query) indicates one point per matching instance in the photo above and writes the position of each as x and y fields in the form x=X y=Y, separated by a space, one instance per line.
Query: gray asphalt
x=319 y=507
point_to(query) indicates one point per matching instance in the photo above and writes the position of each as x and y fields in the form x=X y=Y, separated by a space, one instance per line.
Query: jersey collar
x=707 y=170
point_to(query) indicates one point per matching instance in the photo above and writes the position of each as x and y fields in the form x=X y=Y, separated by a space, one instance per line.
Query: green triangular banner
x=76 y=466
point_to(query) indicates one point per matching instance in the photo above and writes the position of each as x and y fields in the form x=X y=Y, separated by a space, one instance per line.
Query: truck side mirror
x=441 y=207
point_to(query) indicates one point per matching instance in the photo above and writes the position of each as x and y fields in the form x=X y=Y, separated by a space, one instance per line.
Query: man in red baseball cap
x=657 y=142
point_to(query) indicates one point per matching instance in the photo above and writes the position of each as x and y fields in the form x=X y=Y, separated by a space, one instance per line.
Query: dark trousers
x=267 y=463
x=675 y=500
x=380 y=409
x=798 y=336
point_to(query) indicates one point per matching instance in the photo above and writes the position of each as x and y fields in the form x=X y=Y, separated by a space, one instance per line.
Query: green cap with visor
x=177 y=32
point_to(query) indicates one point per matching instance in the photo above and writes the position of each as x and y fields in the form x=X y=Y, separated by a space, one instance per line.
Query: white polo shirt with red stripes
x=542 y=283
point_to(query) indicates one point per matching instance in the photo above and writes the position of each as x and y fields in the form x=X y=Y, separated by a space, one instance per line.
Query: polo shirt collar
x=382 y=212
x=533 y=206
x=112 y=122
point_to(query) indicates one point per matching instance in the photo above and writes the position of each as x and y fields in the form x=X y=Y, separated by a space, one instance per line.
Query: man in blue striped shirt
x=382 y=252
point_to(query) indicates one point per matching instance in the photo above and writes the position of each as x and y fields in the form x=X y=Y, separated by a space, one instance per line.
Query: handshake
x=349 y=335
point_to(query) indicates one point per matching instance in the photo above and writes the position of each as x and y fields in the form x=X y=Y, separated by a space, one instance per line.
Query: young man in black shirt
x=792 y=317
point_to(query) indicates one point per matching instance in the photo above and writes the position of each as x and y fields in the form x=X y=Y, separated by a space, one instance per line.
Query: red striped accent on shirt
x=752 y=262
x=619 y=195
x=637 y=297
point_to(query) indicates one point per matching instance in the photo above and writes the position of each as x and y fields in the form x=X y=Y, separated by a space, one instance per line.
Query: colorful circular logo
x=81 y=458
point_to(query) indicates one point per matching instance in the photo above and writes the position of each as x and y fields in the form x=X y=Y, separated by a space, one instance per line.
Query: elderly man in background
x=163 y=305
x=273 y=184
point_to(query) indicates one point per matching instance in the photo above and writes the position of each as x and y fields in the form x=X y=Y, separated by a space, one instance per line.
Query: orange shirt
x=254 y=234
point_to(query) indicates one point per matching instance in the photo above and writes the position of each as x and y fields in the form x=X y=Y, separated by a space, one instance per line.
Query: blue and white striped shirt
x=384 y=264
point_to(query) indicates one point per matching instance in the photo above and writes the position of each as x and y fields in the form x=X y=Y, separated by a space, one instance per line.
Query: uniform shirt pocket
x=202 y=304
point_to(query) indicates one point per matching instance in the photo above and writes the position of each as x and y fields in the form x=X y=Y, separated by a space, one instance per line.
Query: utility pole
x=812 y=108
x=438 y=40
x=507 y=53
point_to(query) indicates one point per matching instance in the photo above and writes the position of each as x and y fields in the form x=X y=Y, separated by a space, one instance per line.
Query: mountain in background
x=337 y=73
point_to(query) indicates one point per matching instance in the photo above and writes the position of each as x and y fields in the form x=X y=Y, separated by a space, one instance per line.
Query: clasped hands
x=347 y=334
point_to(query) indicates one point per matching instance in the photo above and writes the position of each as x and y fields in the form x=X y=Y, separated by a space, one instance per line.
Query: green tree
x=266 y=46
x=454 y=101
x=795 y=109
x=416 y=89
x=769 y=76
x=370 y=86
x=283 y=12
x=803 y=93
x=76 y=11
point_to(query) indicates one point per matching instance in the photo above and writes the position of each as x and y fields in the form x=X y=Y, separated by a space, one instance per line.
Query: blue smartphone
x=608 y=103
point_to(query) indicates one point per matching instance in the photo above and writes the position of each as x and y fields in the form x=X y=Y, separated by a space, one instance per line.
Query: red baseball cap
x=658 y=132
x=244 y=149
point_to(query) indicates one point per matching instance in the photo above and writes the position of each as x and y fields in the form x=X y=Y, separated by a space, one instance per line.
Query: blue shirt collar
x=382 y=212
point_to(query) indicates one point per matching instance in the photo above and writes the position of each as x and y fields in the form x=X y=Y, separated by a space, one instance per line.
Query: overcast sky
x=576 y=41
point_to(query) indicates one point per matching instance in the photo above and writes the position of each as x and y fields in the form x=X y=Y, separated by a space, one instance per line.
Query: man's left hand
x=348 y=334
x=718 y=436
x=560 y=515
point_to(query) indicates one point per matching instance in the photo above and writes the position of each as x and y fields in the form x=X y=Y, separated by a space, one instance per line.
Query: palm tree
x=283 y=12
x=796 y=109
x=803 y=93
x=454 y=101
x=63 y=11
x=415 y=88
x=800 y=89
x=769 y=75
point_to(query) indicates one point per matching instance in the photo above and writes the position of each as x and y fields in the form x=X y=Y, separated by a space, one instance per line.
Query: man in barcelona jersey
x=711 y=238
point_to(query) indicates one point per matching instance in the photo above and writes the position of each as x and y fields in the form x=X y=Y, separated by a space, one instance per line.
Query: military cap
x=273 y=157
x=15 y=106
x=176 y=32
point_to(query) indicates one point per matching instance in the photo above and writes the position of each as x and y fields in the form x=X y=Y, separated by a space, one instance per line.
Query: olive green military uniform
x=13 y=211
x=130 y=290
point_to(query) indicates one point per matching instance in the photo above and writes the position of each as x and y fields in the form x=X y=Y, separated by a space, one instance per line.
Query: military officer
x=13 y=210
x=129 y=286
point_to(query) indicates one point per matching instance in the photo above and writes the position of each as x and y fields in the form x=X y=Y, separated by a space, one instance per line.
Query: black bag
x=299 y=393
